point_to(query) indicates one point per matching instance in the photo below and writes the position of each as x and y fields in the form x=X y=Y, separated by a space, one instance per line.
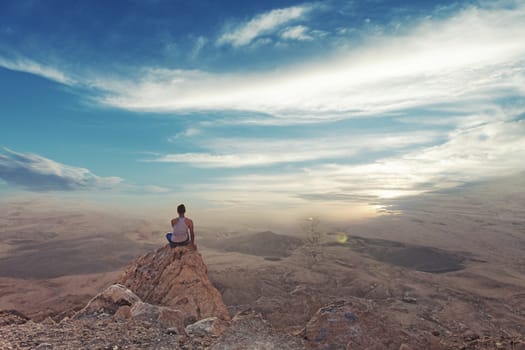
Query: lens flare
x=341 y=238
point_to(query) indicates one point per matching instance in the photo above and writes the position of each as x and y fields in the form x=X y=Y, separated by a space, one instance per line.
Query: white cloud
x=36 y=68
x=474 y=56
x=200 y=42
x=237 y=153
x=190 y=132
x=37 y=173
x=470 y=154
x=296 y=33
x=471 y=58
x=262 y=24
x=152 y=189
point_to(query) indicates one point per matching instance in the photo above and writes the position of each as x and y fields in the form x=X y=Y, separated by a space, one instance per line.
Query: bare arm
x=192 y=233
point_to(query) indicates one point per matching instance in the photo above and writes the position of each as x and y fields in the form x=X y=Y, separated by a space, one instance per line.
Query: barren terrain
x=442 y=265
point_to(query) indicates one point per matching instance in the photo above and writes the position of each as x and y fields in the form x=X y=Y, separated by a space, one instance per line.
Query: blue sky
x=239 y=106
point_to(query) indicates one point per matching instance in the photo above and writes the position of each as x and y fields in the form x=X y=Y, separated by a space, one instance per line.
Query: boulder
x=108 y=302
x=176 y=278
x=249 y=330
x=207 y=327
x=345 y=325
x=161 y=316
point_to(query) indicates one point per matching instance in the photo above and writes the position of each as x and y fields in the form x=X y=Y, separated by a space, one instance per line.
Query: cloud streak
x=469 y=57
x=296 y=33
x=240 y=152
x=40 y=174
x=36 y=68
x=470 y=154
x=262 y=24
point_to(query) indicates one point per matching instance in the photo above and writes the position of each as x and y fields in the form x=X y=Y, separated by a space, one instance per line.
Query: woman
x=182 y=233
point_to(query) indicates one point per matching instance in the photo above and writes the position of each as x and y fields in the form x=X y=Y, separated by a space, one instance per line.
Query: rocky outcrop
x=168 y=288
x=249 y=330
x=120 y=303
x=104 y=333
x=176 y=278
x=8 y=317
x=108 y=302
x=160 y=315
x=345 y=325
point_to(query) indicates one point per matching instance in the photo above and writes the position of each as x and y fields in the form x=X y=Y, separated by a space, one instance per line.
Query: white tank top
x=180 y=231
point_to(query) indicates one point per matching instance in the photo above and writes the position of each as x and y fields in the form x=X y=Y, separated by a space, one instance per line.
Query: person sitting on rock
x=182 y=233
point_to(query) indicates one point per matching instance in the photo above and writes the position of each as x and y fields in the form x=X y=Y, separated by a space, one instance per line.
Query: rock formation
x=176 y=278
x=347 y=324
x=168 y=288
x=165 y=300
x=109 y=301
x=121 y=303
x=8 y=317
x=249 y=330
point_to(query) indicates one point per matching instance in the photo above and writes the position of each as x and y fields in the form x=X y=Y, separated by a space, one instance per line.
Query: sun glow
x=341 y=238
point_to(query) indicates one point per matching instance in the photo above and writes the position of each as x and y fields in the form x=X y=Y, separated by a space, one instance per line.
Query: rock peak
x=177 y=278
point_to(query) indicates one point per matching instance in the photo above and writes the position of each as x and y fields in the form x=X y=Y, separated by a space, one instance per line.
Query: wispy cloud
x=262 y=24
x=469 y=154
x=37 y=173
x=190 y=132
x=243 y=152
x=296 y=33
x=200 y=42
x=473 y=56
x=36 y=68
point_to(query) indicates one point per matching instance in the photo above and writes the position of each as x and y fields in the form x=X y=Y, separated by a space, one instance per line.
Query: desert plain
x=447 y=264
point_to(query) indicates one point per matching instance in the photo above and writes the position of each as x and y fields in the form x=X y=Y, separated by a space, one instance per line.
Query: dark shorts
x=176 y=244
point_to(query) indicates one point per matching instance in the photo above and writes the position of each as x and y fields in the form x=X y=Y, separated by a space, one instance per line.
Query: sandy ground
x=447 y=263
x=54 y=261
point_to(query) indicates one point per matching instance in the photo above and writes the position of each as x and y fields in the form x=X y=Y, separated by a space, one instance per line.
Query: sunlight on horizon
x=267 y=112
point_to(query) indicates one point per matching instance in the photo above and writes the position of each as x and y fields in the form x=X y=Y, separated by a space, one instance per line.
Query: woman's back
x=180 y=231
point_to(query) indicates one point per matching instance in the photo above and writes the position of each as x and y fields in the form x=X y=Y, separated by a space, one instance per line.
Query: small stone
x=470 y=336
x=436 y=333
x=299 y=333
x=408 y=299
x=48 y=321
x=172 y=331
x=351 y=316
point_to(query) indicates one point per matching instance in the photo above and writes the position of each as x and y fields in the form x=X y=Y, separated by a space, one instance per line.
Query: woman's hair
x=181 y=209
